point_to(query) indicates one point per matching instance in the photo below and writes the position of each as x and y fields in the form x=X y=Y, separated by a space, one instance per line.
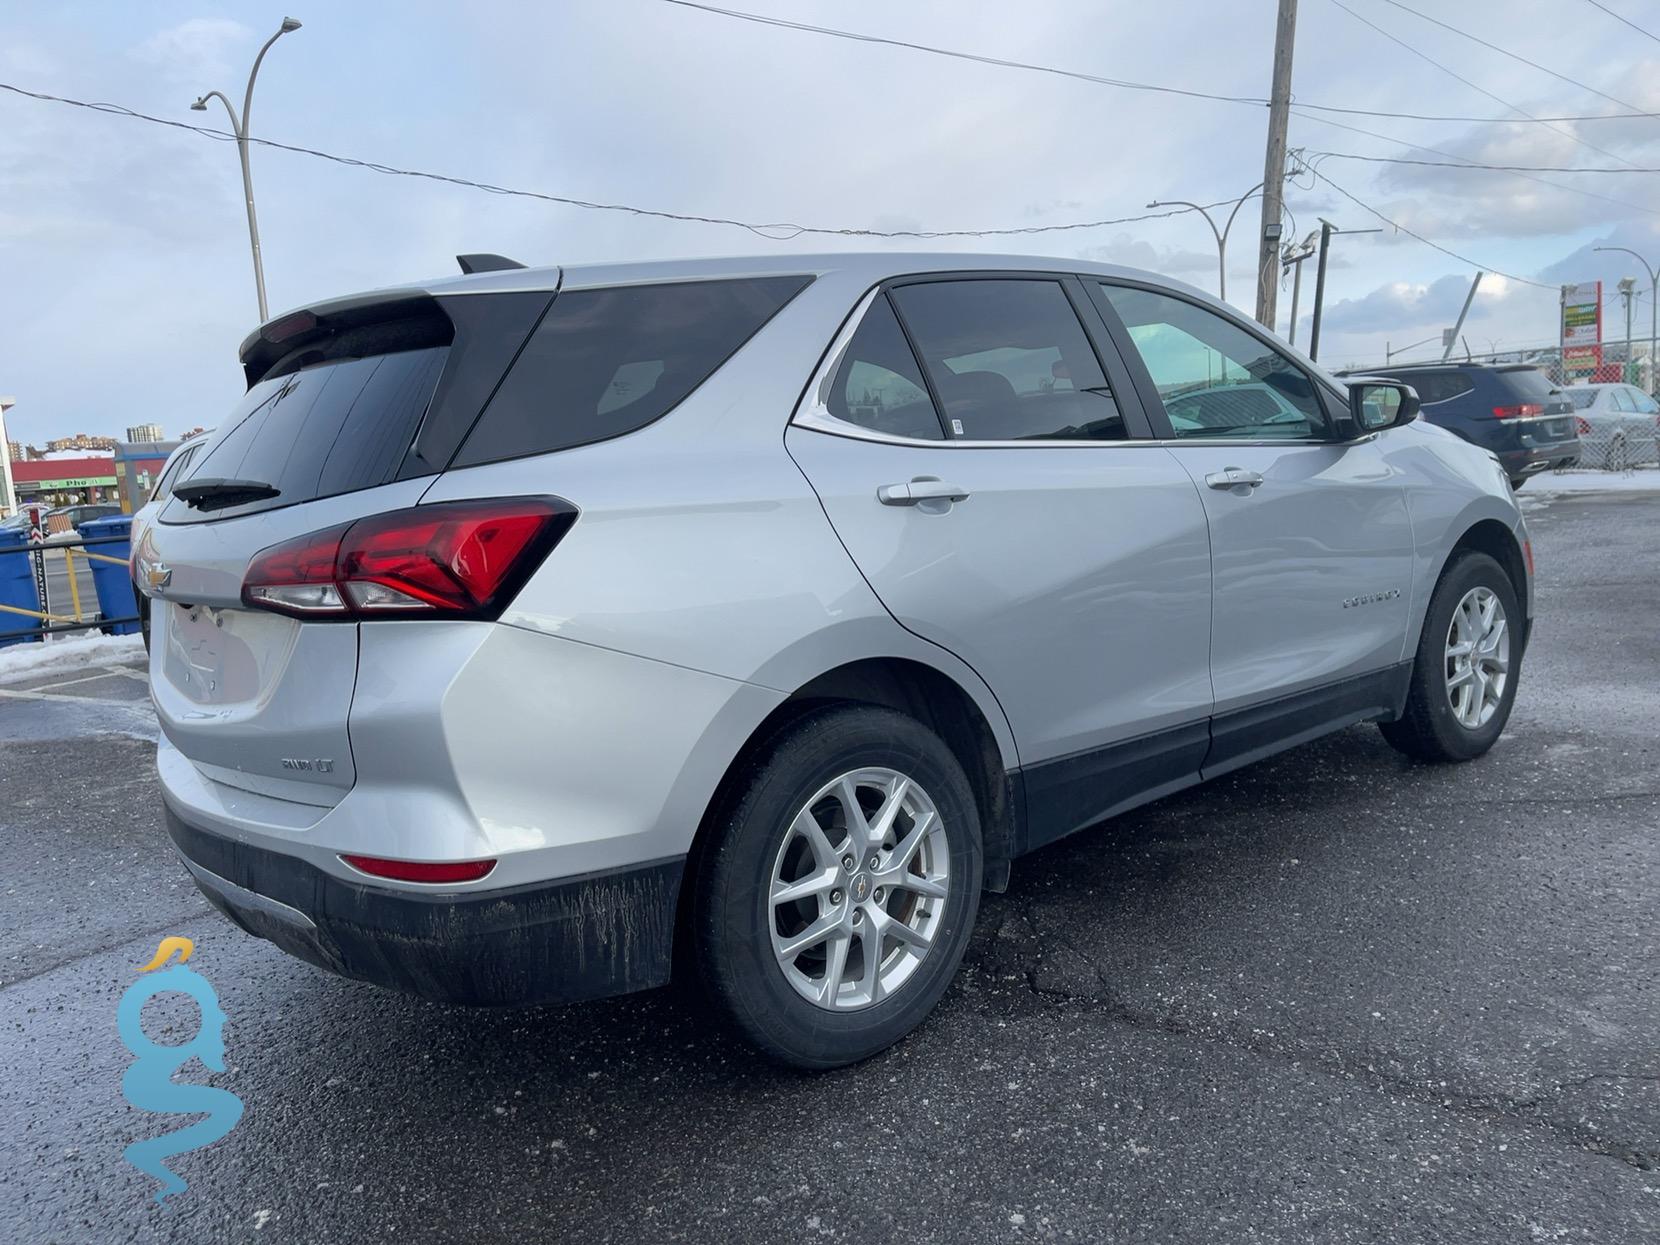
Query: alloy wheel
x=858 y=889
x=1477 y=658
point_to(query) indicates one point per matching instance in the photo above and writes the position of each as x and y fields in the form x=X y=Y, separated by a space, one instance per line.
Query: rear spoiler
x=314 y=334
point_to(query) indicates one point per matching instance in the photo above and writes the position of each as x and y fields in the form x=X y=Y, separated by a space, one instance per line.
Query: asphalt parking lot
x=1333 y=997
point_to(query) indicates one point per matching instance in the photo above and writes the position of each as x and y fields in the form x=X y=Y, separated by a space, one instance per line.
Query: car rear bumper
x=556 y=942
x=1532 y=458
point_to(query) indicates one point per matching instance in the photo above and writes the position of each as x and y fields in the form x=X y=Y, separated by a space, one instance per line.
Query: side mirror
x=1376 y=404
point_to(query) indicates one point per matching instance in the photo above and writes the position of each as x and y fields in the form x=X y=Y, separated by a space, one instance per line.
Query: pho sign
x=1581 y=329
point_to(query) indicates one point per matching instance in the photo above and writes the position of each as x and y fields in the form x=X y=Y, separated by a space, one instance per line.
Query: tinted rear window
x=1527 y=382
x=331 y=429
x=1583 y=399
x=605 y=362
x=1438 y=386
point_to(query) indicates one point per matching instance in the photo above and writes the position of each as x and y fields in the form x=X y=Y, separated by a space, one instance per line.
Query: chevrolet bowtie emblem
x=158 y=575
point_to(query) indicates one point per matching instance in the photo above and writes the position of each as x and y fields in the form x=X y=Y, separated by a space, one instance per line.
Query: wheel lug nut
x=847 y=863
x=875 y=861
x=858 y=916
x=878 y=895
x=835 y=896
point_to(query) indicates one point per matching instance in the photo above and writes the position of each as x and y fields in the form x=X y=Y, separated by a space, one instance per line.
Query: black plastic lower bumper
x=558 y=942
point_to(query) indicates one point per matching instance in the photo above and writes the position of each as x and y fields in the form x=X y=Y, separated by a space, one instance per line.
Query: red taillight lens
x=1527 y=410
x=461 y=559
x=1582 y=426
x=421 y=870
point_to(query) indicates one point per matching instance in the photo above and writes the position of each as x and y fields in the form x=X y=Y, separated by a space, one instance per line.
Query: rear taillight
x=421 y=870
x=1582 y=426
x=461 y=559
x=1527 y=410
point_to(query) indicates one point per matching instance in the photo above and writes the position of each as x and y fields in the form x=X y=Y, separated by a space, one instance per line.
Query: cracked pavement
x=1336 y=996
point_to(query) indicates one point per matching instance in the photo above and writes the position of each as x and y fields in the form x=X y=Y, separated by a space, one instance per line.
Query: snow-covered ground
x=66 y=653
x=1637 y=480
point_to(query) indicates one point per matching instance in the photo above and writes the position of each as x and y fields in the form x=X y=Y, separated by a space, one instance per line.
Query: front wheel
x=835 y=902
x=1464 y=676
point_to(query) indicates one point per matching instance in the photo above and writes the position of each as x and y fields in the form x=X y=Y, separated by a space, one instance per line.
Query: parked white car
x=1619 y=425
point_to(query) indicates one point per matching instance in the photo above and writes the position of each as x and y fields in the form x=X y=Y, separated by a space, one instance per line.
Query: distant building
x=82 y=443
x=146 y=432
x=62 y=481
x=137 y=467
x=14 y=450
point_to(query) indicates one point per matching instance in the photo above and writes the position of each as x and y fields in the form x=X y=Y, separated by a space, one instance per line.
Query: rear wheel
x=836 y=900
x=1464 y=676
x=1615 y=457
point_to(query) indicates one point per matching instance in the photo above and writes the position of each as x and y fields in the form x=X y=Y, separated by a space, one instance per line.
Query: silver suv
x=525 y=634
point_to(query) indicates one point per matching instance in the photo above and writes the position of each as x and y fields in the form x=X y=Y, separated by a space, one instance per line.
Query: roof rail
x=485 y=263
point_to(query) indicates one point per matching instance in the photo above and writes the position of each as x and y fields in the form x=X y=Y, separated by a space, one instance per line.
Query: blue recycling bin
x=17 y=585
x=112 y=581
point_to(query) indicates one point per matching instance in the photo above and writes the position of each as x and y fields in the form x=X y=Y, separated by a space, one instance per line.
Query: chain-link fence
x=1616 y=413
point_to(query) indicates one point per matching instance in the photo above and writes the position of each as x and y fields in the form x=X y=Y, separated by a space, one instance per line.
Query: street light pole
x=1654 y=313
x=239 y=126
x=1221 y=234
x=1326 y=231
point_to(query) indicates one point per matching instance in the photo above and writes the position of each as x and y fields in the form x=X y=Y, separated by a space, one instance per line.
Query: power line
x=1388 y=138
x=1472 y=164
x=1493 y=47
x=999 y=62
x=1463 y=259
x=1473 y=86
x=776 y=230
x=1626 y=20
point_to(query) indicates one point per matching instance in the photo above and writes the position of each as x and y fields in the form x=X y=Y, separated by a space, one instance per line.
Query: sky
x=125 y=279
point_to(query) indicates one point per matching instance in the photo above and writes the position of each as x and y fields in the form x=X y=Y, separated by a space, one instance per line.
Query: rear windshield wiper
x=216 y=494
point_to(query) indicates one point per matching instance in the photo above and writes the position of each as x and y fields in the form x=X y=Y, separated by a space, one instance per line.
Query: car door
x=1004 y=500
x=1311 y=543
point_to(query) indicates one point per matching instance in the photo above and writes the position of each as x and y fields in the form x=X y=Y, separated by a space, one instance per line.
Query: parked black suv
x=1513 y=409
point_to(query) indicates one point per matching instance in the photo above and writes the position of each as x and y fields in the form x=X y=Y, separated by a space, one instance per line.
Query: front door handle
x=1232 y=477
x=920 y=489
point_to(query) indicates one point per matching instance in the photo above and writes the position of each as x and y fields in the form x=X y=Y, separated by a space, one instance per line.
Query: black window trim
x=1340 y=429
x=812 y=411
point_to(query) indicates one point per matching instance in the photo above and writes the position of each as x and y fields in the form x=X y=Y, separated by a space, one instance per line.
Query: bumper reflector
x=421 y=870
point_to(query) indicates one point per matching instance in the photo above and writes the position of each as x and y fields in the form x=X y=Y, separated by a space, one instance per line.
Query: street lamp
x=239 y=126
x=1221 y=234
x=1654 y=314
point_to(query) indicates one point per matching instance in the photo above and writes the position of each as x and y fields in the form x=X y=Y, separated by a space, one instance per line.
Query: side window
x=608 y=361
x=164 y=486
x=1622 y=399
x=1645 y=405
x=879 y=385
x=1437 y=386
x=1009 y=360
x=1217 y=379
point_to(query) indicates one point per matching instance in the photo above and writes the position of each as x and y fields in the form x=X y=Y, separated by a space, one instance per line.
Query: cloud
x=1404 y=307
x=197 y=50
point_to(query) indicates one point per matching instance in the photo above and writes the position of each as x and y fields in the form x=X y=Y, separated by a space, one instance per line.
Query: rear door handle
x=1231 y=477
x=921 y=489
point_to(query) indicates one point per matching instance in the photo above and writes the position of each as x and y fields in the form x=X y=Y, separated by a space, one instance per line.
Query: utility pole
x=1273 y=166
x=1628 y=291
x=1326 y=231
x=1452 y=338
x=1294 y=260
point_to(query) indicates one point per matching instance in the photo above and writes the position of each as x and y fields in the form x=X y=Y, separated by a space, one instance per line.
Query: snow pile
x=1638 y=480
x=67 y=653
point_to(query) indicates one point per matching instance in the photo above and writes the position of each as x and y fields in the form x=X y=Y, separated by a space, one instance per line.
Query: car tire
x=1442 y=722
x=1615 y=458
x=742 y=936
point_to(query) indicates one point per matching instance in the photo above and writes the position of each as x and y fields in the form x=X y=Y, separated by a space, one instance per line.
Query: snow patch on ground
x=65 y=653
x=1638 y=480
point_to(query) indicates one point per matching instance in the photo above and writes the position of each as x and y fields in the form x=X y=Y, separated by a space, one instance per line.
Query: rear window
x=1527 y=382
x=1438 y=386
x=330 y=429
x=608 y=361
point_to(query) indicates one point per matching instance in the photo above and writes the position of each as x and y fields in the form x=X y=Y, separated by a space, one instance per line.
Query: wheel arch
x=918 y=690
x=1501 y=543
